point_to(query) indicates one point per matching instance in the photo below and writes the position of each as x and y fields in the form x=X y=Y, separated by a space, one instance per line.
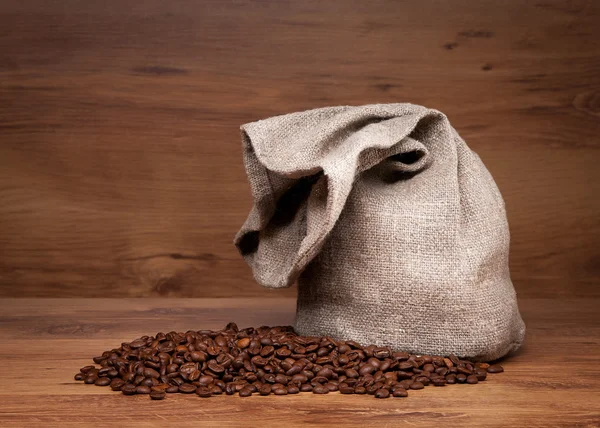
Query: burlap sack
x=392 y=226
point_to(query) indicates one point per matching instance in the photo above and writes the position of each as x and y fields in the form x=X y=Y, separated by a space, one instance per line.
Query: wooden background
x=120 y=159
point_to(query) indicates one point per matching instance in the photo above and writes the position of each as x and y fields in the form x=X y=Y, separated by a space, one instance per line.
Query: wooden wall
x=120 y=158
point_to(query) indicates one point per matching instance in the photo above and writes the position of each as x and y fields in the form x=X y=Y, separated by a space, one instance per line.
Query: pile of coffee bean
x=270 y=360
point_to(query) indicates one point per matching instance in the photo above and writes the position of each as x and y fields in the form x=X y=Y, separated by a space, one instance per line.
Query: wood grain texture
x=120 y=159
x=553 y=381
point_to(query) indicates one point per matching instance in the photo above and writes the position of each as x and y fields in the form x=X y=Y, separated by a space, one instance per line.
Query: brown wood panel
x=120 y=160
x=552 y=381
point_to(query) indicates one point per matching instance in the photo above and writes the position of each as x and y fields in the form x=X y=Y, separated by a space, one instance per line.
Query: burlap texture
x=394 y=229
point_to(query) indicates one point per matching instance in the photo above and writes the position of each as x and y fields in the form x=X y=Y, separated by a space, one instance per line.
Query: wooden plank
x=121 y=170
x=552 y=381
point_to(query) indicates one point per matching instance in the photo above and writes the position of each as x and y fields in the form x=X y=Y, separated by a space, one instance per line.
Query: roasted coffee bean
x=331 y=386
x=187 y=388
x=270 y=360
x=203 y=391
x=281 y=379
x=91 y=379
x=116 y=384
x=243 y=343
x=351 y=373
x=382 y=393
x=128 y=389
x=346 y=389
x=142 y=389
x=102 y=381
x=306 y=387
x=360 y=390
x=148 y=372
x=480 y=374
x=320 y=389
x=267 y=351
x=230 y=389
x=245 y=392
x=265 y=389
x=215 y=390
x=417 y=385
x=400 y=392
x=280 y=391
x=158 y=395
x=198 y=356
x=472 y=379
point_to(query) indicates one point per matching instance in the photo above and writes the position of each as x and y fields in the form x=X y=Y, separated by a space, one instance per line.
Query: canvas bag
x=393 y=228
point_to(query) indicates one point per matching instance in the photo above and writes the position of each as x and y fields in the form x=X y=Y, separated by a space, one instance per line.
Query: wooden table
x=552 y=381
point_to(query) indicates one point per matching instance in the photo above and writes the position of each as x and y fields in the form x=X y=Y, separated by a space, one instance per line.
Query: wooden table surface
x=553 y=381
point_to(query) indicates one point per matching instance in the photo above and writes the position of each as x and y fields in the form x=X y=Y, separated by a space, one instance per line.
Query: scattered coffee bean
x=400 y=393
x=472 y=379
x=270 y=360
x=128 y=389
x=320 y=389
x=102 y=381
x=142 y=389
x=245 y=392
x=187 y=388
x=203 y=392
x=158 y=395
x=382 y=393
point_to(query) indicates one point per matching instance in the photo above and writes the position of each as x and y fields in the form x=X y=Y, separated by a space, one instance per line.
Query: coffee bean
x=215 y=367
x=495 y=368
x=481 y=374
x=400 y=392
x=128 y=389
x=472 y=379
x=331 y=386
x=417 y=385
x=158 y=395
x=102 y=381
x=306 y=387
x=265 y=389
x=91 y=379
x=267 y=351
x=439 y=382
x=280 y=391
x=187 y=388
x=367 y=369
x=87 y=369
x=461 y=378
x=203 y=391
x=360 y=390
x=142 y=389
x=116 y=384
x=245 y=392
x=382 y=393
x=243 y=342
x=320 y=389
x=351 y=373
x=172 y=389
x=151 y=373
x=281 y=379
x=198 y=356
x=346 y=389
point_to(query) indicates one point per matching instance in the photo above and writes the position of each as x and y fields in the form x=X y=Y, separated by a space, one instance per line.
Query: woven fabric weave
x=393 y=228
